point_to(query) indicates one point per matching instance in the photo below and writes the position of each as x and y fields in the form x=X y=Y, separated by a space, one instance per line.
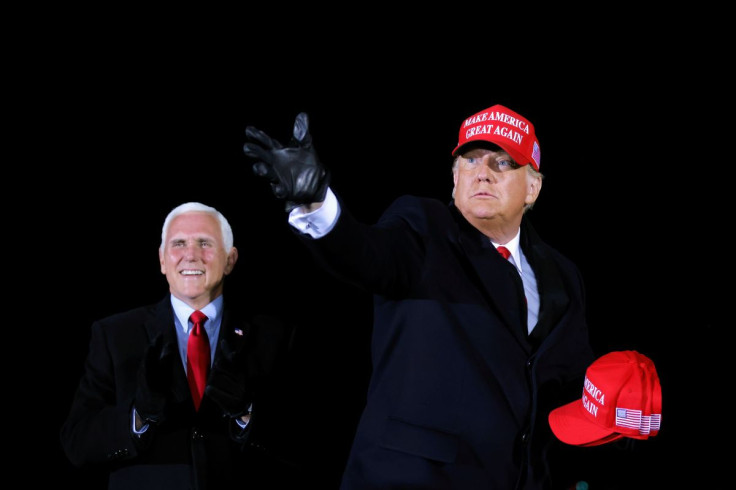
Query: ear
x=534 y=186
x=232 y=257
x=161 y=261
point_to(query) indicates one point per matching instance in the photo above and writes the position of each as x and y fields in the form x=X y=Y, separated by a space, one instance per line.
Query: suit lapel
x=498 y=280
x=161 y=322
x=552 y=293
x=493 y=277
x=232 y=328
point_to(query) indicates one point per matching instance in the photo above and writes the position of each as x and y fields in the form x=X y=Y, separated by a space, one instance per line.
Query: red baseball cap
x=622 y=397
x=505 y=128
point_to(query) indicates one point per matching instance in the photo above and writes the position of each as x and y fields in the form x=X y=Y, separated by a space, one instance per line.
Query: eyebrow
x=197 y=238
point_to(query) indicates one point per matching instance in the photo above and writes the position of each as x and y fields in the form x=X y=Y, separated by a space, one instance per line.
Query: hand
x=154 y=380
x=228 y=384
x=295 y=172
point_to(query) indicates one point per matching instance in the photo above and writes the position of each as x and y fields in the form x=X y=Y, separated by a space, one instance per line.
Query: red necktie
x=198 y=356
x=504 y=251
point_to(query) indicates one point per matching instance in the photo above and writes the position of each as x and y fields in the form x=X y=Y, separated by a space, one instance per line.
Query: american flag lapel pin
x=238 y=332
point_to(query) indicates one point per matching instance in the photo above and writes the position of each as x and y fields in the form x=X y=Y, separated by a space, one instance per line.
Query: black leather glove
x=295 y=172
x=228 y=384
x=154 y=380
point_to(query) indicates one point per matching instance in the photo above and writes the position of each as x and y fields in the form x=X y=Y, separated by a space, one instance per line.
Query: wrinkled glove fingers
x=266 y=171
x=260 y=147
x=258 y=152
x=258 y=137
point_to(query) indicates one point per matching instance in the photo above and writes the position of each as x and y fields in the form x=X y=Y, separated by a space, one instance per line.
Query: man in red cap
x=479 y=325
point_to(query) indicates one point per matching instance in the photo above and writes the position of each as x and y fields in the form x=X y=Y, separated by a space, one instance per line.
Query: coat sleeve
x=97 y=427
x=383 y=258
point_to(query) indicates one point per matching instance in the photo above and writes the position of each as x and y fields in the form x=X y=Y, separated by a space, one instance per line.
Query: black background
x=131 y=119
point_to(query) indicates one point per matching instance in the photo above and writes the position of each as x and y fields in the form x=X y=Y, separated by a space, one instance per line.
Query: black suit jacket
x=197 y=450
x=459 y=394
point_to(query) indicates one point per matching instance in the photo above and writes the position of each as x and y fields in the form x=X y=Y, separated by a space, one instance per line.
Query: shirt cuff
x=319 y=222
x=144 y=427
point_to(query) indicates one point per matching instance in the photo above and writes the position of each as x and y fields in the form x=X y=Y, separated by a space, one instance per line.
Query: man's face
x=194 y=259
x=489 y=185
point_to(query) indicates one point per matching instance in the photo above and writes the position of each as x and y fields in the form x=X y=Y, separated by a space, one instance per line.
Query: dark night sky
x=138 y=128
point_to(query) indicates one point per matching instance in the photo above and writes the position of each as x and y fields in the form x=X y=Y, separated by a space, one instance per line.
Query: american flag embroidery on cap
x=535 y=153
x=625 y=417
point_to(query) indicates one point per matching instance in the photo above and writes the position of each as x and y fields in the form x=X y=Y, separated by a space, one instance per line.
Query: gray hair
x=227 y=231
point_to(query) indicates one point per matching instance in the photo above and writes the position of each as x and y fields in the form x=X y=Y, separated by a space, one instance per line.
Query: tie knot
x=198 y=318
x=503 y=251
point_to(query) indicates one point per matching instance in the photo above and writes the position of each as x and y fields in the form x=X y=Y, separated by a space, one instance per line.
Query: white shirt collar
x=183 y=311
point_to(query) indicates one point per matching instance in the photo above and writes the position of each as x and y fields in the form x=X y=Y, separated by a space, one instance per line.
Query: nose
x=485 y=170
x=191 y=251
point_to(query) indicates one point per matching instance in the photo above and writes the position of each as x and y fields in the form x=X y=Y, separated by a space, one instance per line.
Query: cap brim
x=613 y=437
x=571 y=425
x=518 y=157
